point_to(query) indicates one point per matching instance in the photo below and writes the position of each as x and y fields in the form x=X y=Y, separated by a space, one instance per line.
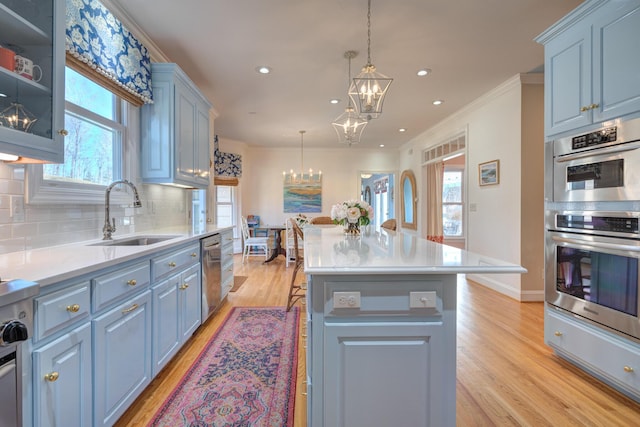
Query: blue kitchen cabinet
x=175 y=131
x=62 y=381
x=177 y=297
x=122 y=357
x=591 y=60
x=176 y=314
x=380 y=359
x=36 y=31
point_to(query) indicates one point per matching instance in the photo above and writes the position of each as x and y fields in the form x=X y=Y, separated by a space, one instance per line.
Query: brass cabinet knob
x=74 y=308
x=628 y=369
x=557 y=333
x=52 y=376
x=63 y=132
x=583 y=109
x=184 y=286
x=193 y=255
x=132 y=282
x=593 y=106
x=172 y=264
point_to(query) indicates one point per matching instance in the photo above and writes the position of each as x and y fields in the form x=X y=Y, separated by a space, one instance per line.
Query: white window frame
x=39 y=191
x=462 y=169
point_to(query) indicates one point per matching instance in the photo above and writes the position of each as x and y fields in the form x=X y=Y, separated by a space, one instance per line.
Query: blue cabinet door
x=568 y=81
x=62 y=381
x=385 y=374
x=166 y=334
x=190 y=302
x=122 y=354
x=616 y=46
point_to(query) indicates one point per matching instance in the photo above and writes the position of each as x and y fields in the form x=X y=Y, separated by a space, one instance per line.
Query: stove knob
x=14 y=331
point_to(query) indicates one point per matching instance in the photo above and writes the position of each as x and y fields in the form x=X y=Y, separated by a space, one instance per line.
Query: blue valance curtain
x=228 y=166
x=100 y=47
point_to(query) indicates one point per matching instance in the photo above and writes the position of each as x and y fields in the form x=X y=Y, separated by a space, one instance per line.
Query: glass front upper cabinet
x=32 y=61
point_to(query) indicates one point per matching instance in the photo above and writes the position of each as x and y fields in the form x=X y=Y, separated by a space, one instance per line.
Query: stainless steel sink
x=136 y=241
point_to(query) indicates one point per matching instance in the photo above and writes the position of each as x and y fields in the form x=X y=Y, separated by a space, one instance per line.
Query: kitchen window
x=95 y=147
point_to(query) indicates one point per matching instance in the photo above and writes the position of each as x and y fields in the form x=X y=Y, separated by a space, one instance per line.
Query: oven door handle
x=601 y=245
x=602 y=151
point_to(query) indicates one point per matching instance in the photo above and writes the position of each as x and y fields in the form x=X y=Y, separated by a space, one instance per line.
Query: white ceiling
x=471 y=46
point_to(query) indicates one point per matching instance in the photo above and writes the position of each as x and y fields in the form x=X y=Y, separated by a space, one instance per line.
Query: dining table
x=274 y=232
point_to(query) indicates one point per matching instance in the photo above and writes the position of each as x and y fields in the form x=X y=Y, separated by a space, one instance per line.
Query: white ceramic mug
x=26 y=68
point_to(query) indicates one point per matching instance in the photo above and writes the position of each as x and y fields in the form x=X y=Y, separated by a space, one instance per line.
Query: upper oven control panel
x=601 y=136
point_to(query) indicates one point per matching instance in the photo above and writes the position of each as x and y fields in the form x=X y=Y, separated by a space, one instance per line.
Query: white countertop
x=57 y=263
x=328 y=251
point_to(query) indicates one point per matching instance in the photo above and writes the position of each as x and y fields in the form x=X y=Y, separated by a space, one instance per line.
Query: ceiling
x=471 y=46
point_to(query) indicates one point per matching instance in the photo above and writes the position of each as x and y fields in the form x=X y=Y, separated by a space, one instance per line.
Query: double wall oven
x=593 y=226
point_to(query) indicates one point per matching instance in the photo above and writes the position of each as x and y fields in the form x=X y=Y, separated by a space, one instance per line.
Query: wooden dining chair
x=296 y=291
x=321 y=220
x=389 y=224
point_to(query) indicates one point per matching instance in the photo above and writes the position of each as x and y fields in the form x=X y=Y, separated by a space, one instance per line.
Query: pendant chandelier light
x=369 y=88
x=302 y=177
x=349 y=125
x=17 y=117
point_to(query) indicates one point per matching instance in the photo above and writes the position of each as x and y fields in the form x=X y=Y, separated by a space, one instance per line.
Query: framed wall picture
x=489 y=173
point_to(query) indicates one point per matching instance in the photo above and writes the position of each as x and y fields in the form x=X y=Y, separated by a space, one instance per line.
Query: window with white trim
x=452 y=201
x=96 y=120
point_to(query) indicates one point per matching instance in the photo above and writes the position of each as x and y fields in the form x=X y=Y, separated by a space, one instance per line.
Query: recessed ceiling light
x=381 y=145
x=402 y=130
x=423 y=72
x=438 y=102
x=334 y=101
x=263 y=69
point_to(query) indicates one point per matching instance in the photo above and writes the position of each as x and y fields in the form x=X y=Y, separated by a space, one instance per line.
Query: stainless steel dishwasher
x=211 y=250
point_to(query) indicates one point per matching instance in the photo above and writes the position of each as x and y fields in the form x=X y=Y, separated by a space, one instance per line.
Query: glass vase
x=352 y=229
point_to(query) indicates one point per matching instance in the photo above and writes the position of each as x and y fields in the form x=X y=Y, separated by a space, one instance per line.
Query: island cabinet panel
x=381 y=350
x=591 y=62
x=62 y=380
x=122 y=353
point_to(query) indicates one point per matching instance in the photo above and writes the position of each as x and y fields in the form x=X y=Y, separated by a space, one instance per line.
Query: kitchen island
x=381 y=327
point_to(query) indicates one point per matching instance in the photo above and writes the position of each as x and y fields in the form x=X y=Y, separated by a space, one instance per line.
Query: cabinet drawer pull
x=593 y=106
x=172 y=264
x=583 y=109
x=628 y=369
x=557 y=333
x=193 y=255
x=130 y=309
x=52 y=376
x=63 y=132
x=132 y=282
x=74 y=308
x=184 y=286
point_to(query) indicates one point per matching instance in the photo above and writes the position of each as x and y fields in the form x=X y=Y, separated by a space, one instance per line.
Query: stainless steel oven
x=593 y=267
x=603 y=165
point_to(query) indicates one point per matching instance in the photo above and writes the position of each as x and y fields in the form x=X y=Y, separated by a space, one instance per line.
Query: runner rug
x=245 y=376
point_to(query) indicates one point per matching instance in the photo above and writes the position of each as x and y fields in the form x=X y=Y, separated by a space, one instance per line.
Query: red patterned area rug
x=245 y=376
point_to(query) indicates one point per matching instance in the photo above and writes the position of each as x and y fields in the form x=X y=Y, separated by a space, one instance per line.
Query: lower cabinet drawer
x=111 y=287
x=603 y=353
x=175 y=261
x=57 y=310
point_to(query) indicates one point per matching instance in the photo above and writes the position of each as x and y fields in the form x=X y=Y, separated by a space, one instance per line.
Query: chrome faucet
x=110 y=227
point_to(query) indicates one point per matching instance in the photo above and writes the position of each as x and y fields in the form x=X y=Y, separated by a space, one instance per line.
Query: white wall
x=494 y=131
x=261 y=183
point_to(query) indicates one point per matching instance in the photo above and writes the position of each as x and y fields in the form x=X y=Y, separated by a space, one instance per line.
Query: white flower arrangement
x=352 y=212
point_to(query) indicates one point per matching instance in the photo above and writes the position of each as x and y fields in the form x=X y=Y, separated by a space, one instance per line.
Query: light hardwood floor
x=506 y=375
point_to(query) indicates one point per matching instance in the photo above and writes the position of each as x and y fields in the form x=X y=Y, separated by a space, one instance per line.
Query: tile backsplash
x=24 y=226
